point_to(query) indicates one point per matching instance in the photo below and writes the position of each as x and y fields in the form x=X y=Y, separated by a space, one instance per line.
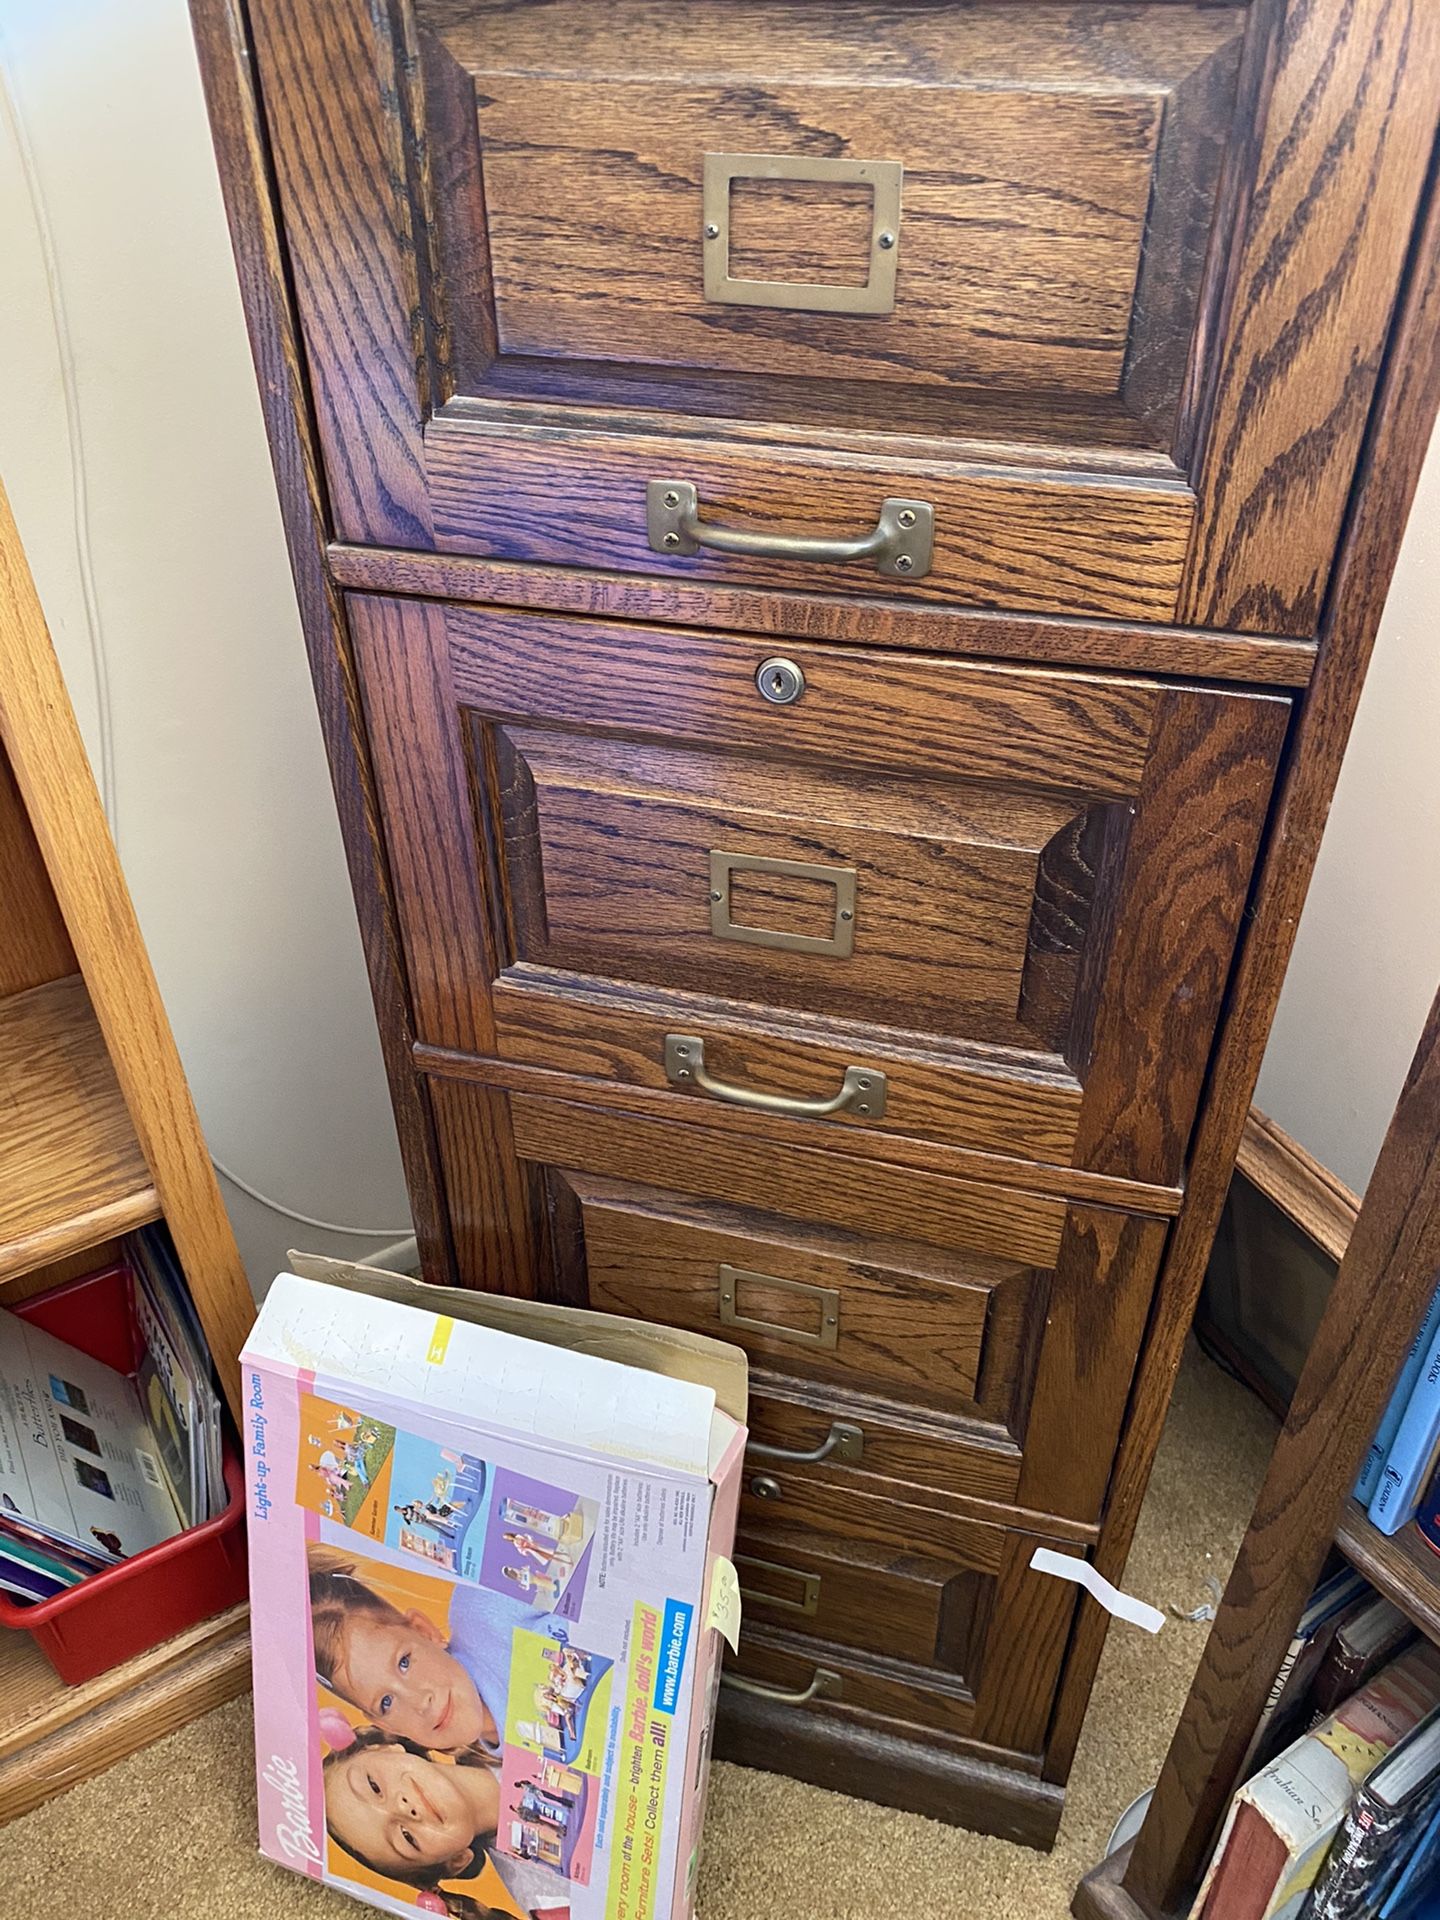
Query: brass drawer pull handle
x=824 y=1686
x=862 y=1089
x=899 y=543
x=845 y=1441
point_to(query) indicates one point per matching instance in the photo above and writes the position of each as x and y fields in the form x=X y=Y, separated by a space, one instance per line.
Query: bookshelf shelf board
x=51 y=1733
x=71 y=1169
x=1399 y=1565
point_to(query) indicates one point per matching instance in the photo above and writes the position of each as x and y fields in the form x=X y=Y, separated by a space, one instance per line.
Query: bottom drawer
x=917 y=1617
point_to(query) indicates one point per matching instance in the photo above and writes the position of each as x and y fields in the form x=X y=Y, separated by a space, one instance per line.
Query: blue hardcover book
x=1417 y=1882
x=1412 y=1456
x=1369 y=1481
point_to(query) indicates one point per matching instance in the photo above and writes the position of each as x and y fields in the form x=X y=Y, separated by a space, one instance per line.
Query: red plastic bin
x=155 y=1594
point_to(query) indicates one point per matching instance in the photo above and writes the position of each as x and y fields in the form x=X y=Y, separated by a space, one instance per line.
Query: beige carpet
x=170 y=1832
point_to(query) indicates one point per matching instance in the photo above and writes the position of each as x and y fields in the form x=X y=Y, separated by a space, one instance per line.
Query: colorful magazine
x=487 y=1573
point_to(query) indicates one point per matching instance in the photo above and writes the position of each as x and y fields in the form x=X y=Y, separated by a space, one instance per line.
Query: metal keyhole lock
x=780 y=681
x=764 y=1486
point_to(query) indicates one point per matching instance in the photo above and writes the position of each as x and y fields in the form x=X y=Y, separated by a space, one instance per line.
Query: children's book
x=1412 y=1459
x=1369 y=1481
x=1281 y=1823
x=489 y=1583
x=176 y=1377
x=77 y=1458
x=1397 y=1796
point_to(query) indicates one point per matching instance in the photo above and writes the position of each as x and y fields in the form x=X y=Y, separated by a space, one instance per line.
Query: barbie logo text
x=293 y=1834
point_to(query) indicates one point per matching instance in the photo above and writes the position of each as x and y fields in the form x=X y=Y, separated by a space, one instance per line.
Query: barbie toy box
x=489 y=1587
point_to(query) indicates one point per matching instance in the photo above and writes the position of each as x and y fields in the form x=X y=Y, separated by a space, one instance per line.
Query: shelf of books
x=1403 y=1566
x=123 y=1300
x=71 y=1170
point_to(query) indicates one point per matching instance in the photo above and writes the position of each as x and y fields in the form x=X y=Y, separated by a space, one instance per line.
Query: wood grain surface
x=47 y=756
x=71 y=1168
x=34 y=946
x=1342 y=160
x=1347 y=1378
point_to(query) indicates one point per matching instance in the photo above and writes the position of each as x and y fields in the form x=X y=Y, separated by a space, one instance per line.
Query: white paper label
x=1124 y=1606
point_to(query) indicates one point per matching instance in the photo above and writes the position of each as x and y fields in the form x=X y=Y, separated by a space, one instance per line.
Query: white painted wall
x=1367 y=959
x=224 y=814
x=223 y=809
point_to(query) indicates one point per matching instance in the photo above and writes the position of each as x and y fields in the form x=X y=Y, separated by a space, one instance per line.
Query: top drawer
x=599 y=286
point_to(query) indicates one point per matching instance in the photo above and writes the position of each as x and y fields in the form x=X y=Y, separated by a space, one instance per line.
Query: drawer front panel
x=921 y=1606
x=988 y=1674
x=1035 y=1310
x=997 y=888
x=808 y=260
x=885 y=1316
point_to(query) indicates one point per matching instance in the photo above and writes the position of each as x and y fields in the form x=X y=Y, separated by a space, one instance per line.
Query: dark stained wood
x=1024 y=1176
x=545 y=785
x=1026 y=539
x=1347 y=1378
x=227 y=68
x=1402 y=1566
x=925 y=1776
x=491 y=1205
x=1293 y=1180
x=1342 y=162
x=801 y=1184
x=910 y=1321
x=1409 y=399
x=838 y=620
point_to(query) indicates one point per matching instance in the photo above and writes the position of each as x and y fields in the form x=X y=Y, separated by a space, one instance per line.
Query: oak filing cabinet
x=838 y=545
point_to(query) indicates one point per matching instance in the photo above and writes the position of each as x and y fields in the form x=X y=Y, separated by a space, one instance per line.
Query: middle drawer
x=914 y=1336
x=986 y=907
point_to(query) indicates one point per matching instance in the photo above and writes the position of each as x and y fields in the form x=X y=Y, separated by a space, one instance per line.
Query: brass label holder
x=826 y=1300
x=807 y=1586
x=840 y=942
x=883 y=177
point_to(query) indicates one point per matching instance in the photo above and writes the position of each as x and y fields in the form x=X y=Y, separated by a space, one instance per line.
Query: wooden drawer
x=1010 y=895
x=808 y=260
x=909 y=1582
x=971 y=1647
x=1045 y=1303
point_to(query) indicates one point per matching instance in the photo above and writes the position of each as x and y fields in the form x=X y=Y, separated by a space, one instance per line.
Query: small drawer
x=888 y=1317
x=726 y=259
x=982 y=907
x=1036 y=1307
x=963 y=1637
x=924 y=1605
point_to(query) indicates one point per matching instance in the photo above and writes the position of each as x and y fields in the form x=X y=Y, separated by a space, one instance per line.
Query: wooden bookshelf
x=1400 y=1565
x=1304 y=1509
x=98 y=1135
x=71 y=1169
x=53 y=1736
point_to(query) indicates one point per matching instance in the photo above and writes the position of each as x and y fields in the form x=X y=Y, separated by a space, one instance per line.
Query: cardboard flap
x=715 y=1364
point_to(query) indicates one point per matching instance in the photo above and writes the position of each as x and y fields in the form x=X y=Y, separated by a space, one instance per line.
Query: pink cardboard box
x=489 y=1583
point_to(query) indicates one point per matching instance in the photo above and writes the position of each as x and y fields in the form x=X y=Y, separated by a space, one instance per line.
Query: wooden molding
x=1292 y=1179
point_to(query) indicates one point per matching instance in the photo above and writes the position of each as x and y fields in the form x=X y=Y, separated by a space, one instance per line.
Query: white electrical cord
x=395 y=1237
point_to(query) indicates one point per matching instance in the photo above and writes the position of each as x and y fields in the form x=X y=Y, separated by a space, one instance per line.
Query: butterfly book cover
x=489 y=1584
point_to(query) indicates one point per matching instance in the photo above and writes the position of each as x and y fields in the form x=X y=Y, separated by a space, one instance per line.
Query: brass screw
x=906 y=515
x=712 y=232
x=903 y=562
x=673 y=500
x=845 y=913
x=886 y=240
x=673 y=540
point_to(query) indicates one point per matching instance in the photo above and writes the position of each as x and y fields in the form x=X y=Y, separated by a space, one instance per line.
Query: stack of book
x=95 y=1464
x=1343 y=1821
x=1398 y=1481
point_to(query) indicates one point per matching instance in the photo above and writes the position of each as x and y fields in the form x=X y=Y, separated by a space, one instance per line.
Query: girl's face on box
x=400 y=1812
x=400 y=1673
